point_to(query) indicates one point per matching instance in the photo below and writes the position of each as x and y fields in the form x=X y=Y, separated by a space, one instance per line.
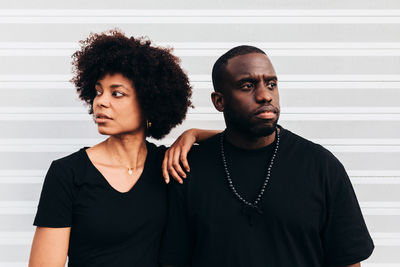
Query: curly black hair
x=162 y=87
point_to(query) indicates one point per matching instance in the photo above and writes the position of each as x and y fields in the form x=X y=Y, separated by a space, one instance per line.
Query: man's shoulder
x=302 y=145
x=308 y=153
x=205 y=153
x=211 y=145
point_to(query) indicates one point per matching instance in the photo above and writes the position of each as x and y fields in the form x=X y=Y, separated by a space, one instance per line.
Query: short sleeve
x=56 y=199
x=345 y=238
x=176 y=247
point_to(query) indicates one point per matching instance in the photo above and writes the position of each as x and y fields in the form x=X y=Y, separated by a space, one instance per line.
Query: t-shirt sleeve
x=345 y=237
x=56 y=199
x=176 y=247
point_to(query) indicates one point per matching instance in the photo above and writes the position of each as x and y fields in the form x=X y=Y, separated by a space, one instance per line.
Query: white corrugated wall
x=338 y=64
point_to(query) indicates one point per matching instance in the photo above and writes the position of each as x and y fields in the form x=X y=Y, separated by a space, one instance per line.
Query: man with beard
x=258 y=194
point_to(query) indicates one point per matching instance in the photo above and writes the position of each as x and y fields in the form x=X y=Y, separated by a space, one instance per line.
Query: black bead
x=266 y=178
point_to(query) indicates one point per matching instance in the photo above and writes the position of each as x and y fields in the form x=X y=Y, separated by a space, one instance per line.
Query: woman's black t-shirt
x=108 y=228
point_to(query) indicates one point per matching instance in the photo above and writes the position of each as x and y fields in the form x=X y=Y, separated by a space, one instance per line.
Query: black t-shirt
x=108 y=228
x=310 y=217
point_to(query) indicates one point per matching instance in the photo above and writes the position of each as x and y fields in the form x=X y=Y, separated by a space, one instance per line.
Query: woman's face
x=116 y=107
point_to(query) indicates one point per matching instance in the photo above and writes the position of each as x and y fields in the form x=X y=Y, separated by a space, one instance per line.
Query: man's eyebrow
x=254 y=78
x=246 y=79
x=271 y=77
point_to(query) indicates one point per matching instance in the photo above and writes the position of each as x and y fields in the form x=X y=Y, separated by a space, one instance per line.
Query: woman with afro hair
x=106 y=205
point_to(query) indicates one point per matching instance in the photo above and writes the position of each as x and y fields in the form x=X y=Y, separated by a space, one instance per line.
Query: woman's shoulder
x=72 y=160
x=70 y=166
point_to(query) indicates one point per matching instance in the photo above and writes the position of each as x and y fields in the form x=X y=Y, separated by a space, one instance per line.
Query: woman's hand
x=177 y=153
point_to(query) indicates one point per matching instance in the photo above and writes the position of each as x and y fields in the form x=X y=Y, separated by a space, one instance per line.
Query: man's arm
x=346 y=239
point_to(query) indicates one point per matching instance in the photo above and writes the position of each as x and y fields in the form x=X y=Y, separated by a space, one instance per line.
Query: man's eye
x=272 y=85
x=247 y=86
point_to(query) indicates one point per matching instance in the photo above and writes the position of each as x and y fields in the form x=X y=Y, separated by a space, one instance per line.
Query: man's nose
x=263 y=93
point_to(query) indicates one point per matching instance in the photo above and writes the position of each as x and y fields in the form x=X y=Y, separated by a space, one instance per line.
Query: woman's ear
x=218 y=100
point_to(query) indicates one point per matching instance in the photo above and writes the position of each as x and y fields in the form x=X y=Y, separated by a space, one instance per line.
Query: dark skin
x=249 y=98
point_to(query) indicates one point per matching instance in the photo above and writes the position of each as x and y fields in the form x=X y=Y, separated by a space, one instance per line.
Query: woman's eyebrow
x=114 y=86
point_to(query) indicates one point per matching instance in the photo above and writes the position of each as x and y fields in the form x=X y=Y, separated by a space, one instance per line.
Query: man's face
x=251 y=98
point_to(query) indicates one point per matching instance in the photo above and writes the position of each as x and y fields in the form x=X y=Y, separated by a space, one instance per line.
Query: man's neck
x=245 y=141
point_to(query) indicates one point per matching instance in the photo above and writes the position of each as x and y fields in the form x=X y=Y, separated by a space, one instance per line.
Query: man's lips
x=268 y=112
x=266 y=115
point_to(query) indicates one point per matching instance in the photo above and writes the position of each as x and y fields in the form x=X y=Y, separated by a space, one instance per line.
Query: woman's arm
x=179 y=150
x=49 y=247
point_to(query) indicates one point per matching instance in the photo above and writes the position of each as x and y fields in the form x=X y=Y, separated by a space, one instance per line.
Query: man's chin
x=264 y=130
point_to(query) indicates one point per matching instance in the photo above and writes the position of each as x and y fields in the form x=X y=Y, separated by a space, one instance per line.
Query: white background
x=338 y=63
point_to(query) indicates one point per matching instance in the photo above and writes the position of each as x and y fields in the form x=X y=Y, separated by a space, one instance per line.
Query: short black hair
x=162 y=87
x=218 y=70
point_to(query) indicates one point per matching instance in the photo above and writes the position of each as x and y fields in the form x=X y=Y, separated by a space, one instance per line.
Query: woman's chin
x=106 y=131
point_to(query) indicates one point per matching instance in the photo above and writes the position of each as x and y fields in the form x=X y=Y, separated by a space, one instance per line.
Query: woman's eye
x=117 y=94
x=98 y=92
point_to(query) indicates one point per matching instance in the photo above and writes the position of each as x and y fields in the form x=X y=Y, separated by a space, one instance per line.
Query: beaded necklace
x=249 y=207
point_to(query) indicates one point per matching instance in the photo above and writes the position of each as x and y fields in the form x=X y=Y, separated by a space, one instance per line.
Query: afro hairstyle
x=162 y=87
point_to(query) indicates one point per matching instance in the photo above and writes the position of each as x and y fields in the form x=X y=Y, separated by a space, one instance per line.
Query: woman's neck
x=128 y=150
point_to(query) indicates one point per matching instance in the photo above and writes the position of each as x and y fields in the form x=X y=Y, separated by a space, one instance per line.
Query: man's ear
x=218 y=100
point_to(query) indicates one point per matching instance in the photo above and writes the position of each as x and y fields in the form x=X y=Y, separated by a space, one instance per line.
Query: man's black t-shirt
x=108 y=228
x=310 y=217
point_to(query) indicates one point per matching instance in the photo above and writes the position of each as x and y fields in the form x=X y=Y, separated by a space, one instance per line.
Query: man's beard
x=249 y=126
x=265 y=130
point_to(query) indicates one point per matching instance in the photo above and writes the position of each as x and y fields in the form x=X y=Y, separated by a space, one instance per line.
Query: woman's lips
x=101 y=118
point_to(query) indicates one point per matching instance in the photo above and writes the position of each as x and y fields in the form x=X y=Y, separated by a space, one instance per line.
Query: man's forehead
x=250 y=64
